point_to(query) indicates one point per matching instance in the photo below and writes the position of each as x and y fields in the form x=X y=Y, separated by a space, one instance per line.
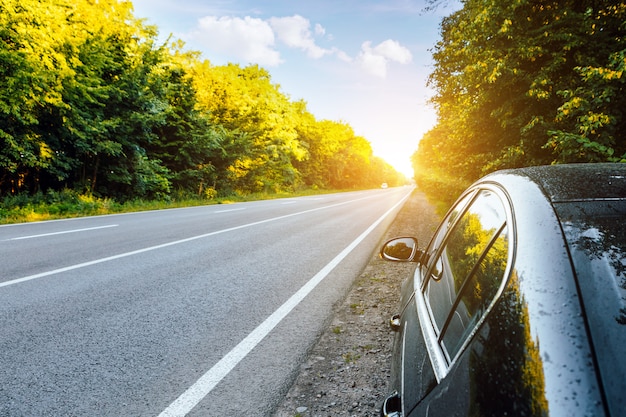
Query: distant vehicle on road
x=384 y=185
x=518 y=304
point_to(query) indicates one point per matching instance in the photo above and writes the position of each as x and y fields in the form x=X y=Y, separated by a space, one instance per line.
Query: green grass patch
x=351 y=357
x=357 y=308
x=68 y=203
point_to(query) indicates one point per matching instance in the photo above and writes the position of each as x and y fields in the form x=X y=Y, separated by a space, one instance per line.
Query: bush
x=52 y=204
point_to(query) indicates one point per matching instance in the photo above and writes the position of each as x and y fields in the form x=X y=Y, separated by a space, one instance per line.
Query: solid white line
x=203 y=386
x=165 y=245
x=64 y=232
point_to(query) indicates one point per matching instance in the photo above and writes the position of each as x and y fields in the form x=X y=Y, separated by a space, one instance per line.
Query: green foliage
x=90 y=102
x=52 y=204
x=337 y=158
x=67 y=203
x=523 y=83
x=245 y=100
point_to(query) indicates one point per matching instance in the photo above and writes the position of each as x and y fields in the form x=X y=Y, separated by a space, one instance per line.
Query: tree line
x=91 y=101
x=524 y=82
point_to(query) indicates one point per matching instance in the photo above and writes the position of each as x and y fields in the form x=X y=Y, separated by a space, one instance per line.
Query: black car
x=517 y=307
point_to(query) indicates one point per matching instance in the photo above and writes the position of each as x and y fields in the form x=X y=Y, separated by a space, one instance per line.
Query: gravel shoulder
x=347 y=372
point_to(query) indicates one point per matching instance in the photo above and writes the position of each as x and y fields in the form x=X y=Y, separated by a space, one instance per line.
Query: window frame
x=437 y=353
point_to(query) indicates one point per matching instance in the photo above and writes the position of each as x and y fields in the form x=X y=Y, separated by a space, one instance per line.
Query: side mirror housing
x=401 y=249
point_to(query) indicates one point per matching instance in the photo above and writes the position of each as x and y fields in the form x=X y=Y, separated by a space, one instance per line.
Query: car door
x=463 y=271
x=413 y=374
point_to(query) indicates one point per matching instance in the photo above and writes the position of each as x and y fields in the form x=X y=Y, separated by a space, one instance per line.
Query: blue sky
x=363 y=62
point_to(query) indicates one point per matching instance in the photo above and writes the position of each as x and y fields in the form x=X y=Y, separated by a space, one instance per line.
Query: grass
x=350 y=357
x=67 y=204
x=357 y=308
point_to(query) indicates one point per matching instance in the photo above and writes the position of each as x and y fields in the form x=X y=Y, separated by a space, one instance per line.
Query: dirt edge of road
x=347 y=372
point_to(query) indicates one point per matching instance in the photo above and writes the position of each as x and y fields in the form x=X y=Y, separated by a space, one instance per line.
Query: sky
x=361 y=62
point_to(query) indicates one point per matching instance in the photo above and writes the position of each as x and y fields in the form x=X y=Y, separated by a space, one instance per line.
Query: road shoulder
x=347 y=372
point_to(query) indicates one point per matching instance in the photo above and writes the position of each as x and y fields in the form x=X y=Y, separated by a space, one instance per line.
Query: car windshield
x=596 y=237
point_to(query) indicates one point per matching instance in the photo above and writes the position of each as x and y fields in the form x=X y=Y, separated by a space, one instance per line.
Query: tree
x=31 y=66
x=590 y=123
x=112 y=105
x=244 y=100
x=524 y=83
x=336 y=157
x=76 y=97
x=89 y=101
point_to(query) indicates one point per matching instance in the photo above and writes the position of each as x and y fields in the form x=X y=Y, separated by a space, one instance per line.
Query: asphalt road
x=204 y=311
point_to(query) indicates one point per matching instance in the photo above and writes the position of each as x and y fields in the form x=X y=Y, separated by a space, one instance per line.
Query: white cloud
x=393 y=51
x=373 y=63
x=256 y=41
x=375 y=60
x=249 y=38
x=342 y=55
x=295 y=32
x=319 y=30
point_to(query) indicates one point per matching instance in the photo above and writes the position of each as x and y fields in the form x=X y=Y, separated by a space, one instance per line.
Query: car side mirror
x=401 y=249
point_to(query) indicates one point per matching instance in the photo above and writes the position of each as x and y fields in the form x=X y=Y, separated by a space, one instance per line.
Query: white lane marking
x=203 y=386
x=228 y=210
x=64 y=232
x=165 y=245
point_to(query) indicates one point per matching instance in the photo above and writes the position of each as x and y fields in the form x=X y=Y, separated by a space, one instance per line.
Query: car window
x=468 y=271
x=433 y=263
x=477 y=293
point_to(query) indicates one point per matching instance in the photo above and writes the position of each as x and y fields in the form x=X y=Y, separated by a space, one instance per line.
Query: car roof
x=577 y=182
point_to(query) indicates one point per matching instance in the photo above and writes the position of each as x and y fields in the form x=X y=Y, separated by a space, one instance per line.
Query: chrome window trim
x=402 y=367
x=435 y=353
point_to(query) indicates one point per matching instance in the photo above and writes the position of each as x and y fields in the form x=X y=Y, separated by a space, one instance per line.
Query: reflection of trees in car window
x=465 y=252
x=478 y=289
x=469 y=270
x=467 y=243
x=441 y=296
